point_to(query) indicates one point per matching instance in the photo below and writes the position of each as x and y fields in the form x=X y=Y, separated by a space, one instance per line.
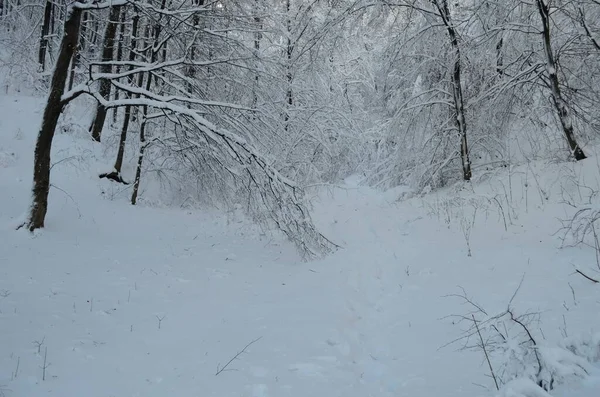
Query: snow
x=147 y=301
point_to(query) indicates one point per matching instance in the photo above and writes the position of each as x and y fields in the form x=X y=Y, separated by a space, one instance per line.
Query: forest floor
x=113 y=300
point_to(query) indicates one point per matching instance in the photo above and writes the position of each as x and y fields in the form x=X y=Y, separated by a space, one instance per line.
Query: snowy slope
x=142 y=301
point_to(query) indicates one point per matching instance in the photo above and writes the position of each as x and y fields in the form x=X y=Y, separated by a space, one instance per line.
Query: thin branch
x=487 y=357
x=221 y=369
x=586 y=276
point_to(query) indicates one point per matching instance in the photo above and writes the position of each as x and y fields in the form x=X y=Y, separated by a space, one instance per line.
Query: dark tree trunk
x=107 y=56
x=257 y=38
x=41 y=167
x=77 y=54
x=459 y=116
x=119 y=56
x=138 y=171
x=560 y=104
x=80 y=47
x=289 y=52
x=43 y=48
x=140 y=76
x=115 y=175
x=500 y=57
x=143 y=143
x=52 y=17
x=191 y=70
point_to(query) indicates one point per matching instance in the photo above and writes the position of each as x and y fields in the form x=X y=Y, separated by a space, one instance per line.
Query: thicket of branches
x=245 y=103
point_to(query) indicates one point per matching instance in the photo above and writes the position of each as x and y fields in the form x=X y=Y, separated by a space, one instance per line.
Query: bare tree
x=457 y=91
x=54 y=105
x=562 y=109
x=43 y=46
x=105 y=67
x=115 y=174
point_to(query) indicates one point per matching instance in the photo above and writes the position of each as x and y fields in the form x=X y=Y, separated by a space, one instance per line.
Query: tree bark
x=115 y=175
x=500 y=57
x=119 y=56
x=43 y=48
x=460 y=119
x=143 y=143
x=257 y=39
x=191 y=70
x=41 y=167
x=560 y=104
x=107 y=56
x=288 y=66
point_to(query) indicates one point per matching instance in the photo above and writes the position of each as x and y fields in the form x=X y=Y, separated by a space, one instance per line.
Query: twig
x=221 y=369
x=45 y=365
x=16 y=374
x=573 y=292
x=537 y=357
x=516 y=291
x=160 y=319
x=70 y=197
x=467 y=300
x=39 y=344
x=485 y=352
x=588 y=277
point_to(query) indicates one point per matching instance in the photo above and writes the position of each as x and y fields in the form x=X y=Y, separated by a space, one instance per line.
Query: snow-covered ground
x=141 y=301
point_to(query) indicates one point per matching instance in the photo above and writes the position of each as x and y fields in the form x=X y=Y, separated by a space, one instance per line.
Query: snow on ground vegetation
x=115 y=300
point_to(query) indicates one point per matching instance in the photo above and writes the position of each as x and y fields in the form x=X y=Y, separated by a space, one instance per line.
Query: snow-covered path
x=149 y=302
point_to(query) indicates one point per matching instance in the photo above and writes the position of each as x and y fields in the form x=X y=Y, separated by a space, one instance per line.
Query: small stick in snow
x=221 y=369
x=588 y=277
x=485 y=352
x=160 y=320
x=46 y=365
x=573 y=292
x=16 y=373
x=39 y=344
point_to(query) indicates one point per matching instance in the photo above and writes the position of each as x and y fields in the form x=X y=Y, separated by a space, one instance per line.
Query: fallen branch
x=593 y=280
x=221 y=369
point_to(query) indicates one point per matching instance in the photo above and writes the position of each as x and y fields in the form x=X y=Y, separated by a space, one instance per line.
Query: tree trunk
x=138 y=171
x=191 y=70
x=257 y=39
x=143 y=143
x=43 y=48
x=41 y=168
x=288 y=66
x=119 y=56
x=115 y=175
x=107 y=56
x=560 y=104
x=460 y=119
x=77 y=53
x=500 y=57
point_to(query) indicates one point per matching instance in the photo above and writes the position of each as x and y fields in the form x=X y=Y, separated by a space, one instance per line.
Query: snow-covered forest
x=292 y=198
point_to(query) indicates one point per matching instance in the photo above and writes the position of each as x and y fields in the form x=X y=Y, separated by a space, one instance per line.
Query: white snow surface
x=146 y=301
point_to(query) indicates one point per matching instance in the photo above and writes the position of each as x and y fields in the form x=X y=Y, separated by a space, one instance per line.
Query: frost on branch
x=521 y=362
x=251 y=181
x=228 y=161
